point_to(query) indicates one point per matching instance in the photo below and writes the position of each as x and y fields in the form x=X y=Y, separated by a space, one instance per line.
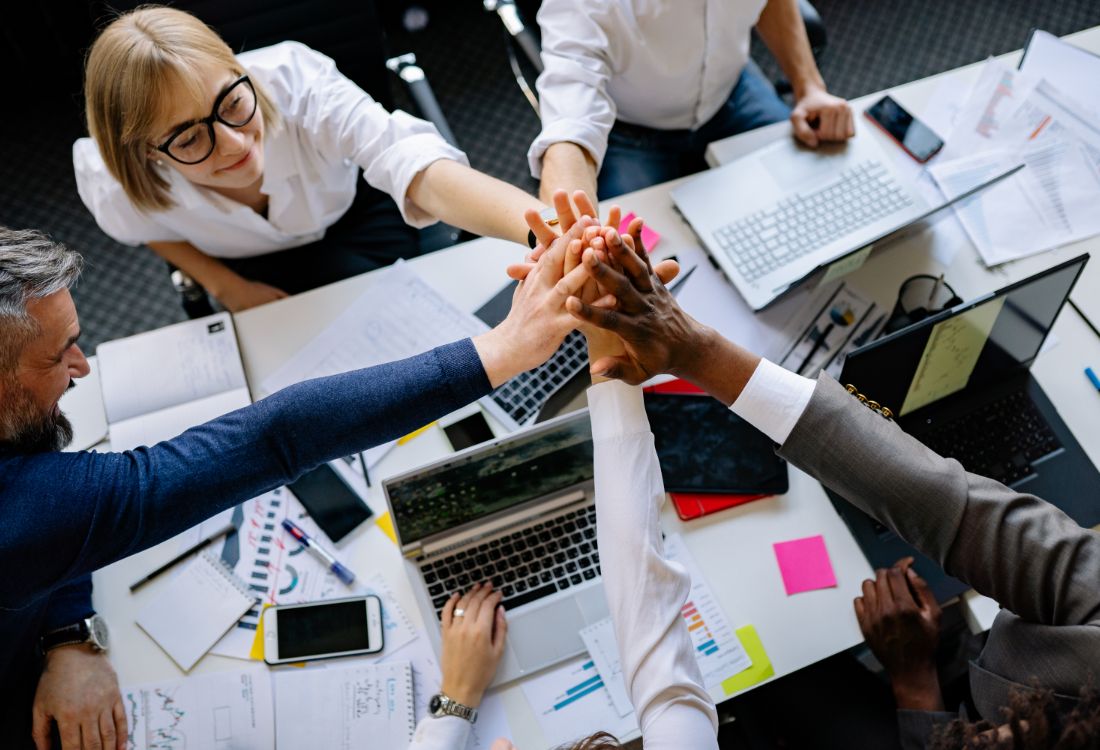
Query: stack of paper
x=1039 y=117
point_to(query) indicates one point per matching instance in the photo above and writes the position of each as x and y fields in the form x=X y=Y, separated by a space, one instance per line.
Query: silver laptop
x=517 y=511
x=775 y=217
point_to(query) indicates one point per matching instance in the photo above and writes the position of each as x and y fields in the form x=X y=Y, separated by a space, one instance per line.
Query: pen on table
x=363 y=461
x=319 y=552
x=186 y=553
x=1092 y=376
x=677 y=283
x=935 y=288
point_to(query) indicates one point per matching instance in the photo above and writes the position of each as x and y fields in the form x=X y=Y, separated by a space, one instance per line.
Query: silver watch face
x=97 y=632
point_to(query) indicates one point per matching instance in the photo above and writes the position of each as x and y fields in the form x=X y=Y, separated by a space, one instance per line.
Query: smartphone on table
x=322 y=630
x=916 y=139
x=331 y=503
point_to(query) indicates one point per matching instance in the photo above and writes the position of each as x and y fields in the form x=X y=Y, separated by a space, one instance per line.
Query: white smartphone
x=321 y=630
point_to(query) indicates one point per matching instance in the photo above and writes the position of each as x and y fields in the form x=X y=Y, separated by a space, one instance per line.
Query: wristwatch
x=441 y=705
x=550 y=216
x=91 y=630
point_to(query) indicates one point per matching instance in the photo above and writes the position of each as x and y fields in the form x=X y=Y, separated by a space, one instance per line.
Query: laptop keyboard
x=767 y=239
x=523 y=396
x=999 y=440
x=525 y=565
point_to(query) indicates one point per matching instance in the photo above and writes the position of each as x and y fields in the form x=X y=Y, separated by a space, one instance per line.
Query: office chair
x=348 y=31
x=521 y=30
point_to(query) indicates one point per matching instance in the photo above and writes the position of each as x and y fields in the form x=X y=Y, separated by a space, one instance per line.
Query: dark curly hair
x=1033 y=721
x=598 y=741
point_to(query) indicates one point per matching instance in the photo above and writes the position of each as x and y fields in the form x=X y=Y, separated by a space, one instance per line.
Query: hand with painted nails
x=474 y=629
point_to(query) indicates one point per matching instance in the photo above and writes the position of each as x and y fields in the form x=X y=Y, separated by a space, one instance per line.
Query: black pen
x=186 y=553
x=363 y=460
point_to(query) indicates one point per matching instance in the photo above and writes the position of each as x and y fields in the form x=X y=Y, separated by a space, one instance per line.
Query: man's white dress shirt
x=667 y=64
x=330 y=129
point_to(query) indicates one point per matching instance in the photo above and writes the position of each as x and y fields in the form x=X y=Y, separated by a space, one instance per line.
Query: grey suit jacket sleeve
x=1015 y=548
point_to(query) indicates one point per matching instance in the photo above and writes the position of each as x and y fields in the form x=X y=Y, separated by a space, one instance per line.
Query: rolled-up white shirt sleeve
x=645 y=591
x=344 y=122
x=773 y=400
x=573 y=100
x=441 y=733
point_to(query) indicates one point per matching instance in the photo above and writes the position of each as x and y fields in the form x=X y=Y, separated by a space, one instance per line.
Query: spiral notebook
x=196 y=609
x=358 y=705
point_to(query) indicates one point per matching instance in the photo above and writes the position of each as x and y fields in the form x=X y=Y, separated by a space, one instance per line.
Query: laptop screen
x=972 y=344
x=496 y=477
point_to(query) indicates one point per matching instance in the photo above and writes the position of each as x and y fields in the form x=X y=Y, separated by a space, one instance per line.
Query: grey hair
x=32 y=266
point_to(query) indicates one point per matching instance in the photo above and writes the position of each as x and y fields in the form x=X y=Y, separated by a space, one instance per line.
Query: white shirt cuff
x=440 y=733
x=592 y=138
x=773 y=400
x=616 y=409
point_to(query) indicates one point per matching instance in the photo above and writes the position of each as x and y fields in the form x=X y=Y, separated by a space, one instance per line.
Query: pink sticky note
x=649 y=237
x=805 y=564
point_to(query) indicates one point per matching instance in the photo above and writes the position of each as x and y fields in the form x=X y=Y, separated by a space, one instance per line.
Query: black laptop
x=961 y=383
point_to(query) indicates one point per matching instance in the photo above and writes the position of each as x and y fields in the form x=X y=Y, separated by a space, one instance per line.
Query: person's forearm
x=918 y=692
x=567 y=166
x=473 y=201
x=211 y=273
x=715 y=364
x=784 y=32
x=69 y=603
x=97 y=508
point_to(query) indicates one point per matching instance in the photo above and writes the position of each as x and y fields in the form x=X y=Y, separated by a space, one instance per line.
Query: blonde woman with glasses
x=243 y=171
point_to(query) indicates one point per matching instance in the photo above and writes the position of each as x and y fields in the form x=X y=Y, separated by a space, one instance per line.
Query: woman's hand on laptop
x=474 y=629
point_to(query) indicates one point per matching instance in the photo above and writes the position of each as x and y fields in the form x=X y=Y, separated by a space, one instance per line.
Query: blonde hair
x=136 y=66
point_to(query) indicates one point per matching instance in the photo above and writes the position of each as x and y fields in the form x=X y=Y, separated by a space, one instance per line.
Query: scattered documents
x=195 y=609
x=217 y=711
x=599 y=639
x=1065 y=66
x=571 y=702
x=345 y=707
x=838 y=320
x=399 y=316
x=804 y=564
x=158 y=384
x=1015 y=117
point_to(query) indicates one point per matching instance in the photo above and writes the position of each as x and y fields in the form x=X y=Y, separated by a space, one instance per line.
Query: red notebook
x=691 y=505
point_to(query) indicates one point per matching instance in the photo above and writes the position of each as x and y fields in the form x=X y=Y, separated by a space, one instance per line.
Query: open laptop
x=960 y=382
x=773 y=218
x=517 y=511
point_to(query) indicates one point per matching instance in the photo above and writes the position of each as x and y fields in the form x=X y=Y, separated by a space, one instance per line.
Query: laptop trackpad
x=546 y=634
x=796 y=167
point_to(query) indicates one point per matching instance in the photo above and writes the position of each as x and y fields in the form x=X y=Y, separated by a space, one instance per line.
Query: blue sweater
x=67 y=514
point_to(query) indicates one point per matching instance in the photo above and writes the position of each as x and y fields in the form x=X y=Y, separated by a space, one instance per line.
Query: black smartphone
x=704 y=447
x=471 y=430
x=330 y=502
x=917 y=139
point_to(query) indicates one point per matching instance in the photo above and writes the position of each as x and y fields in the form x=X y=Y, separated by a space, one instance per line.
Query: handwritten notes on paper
x=951 y=354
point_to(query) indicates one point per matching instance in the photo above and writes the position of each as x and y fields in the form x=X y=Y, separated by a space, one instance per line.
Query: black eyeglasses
x=194 y=142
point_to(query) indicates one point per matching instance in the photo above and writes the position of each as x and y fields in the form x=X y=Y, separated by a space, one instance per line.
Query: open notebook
x=158 y=384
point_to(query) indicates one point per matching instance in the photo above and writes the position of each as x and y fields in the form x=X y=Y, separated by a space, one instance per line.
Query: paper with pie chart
x=280 y=571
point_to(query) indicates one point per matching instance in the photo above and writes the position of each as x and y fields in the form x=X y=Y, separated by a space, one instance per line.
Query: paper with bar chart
x=572 y=702
x=717 y=648
x=219 y=711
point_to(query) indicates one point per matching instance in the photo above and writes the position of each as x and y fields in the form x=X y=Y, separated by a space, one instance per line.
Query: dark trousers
x=370 y=235
x=638 y=156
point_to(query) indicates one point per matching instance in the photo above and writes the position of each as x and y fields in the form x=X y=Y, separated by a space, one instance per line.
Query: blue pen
x=333 y=564
x=1092 y=376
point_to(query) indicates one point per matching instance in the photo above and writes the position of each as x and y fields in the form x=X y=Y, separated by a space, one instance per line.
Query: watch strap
x=68 y=635
x=450 y=707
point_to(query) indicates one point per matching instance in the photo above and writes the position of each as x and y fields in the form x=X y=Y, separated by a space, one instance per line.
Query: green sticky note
x=845 y=266
x=761 y=668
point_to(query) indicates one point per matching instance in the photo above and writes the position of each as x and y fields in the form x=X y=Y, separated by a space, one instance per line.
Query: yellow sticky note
x=761 y=668
x=385 y=522
x=951 y=355
x=414 y=433
x=257 y=650
x=845 y=266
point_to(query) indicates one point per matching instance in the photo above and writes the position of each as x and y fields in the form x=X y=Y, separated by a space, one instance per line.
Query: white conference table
x=733 y=548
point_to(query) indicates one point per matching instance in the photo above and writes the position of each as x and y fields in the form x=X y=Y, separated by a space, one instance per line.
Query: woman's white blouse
x=330 y=129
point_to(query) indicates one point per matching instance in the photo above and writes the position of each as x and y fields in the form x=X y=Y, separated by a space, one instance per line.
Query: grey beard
x=25 y=430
